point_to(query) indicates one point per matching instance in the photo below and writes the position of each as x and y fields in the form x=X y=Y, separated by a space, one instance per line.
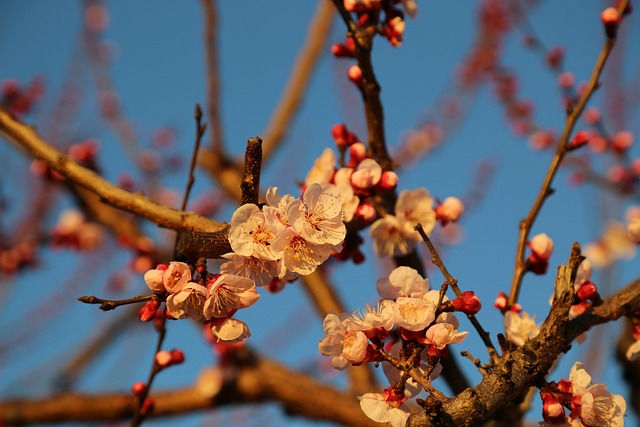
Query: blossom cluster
x=589 y=404
x=409 y=311
x=271 y=246
x=359 y=180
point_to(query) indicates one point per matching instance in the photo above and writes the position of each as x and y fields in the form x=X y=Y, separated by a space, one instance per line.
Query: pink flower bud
x=177 y=356
x=147 y=406
x=611 y=19
x=541 y=246
x=587 y=291
x=541 y=139
x=552 y=410
x=366 y=212
x=468 y=303
x=565 y=387
x=555 y=56
x=592 y=116
x=357 y=153
x=339 y=133
x=621 y=141
x=566 y=80
x=366 y=176
x=450 y=210
x=501 y=302
x=138 y=388
x=163 y=358
x=355 y=74
x=577 y=309
x=580 y=138
x=148 y=311
x=388 y=181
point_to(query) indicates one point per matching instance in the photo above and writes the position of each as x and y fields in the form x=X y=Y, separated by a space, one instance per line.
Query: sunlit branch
x=561 y=150
x=26 y=137
x=106 y=305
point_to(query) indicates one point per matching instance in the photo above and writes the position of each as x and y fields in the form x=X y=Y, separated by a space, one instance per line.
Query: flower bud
x=541 y=246
x=566 y=80
x=501 y=302
x=611 y=19
x=579 y=139
x=552 y=411
x=355 y=74
x=148 y=311
x=339 y=133
x=450 y=210
x=177 y=356
x=592 y=116
x=357 y=153
x=468 y=303
x=163 y=358
x=577 y=309
x=138 y=388
x=147 y=407
x=366 y=212
x=587 y=291
x=622 y=141
x=388 y=181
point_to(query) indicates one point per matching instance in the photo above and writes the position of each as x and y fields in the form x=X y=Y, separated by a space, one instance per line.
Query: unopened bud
x=163 y=358
x=541 y=246
x=579 y=139
x=138 y=388
x=552 y=411
x=355 y=74
x=450 y=210
x=177 y=356
x=388 y=181
x=366 y=212
x=147 y=407
x=357 y=153
x=468 y=303
x=587 y=291
x=148 y=311
x=339 y=133
x=611 y=19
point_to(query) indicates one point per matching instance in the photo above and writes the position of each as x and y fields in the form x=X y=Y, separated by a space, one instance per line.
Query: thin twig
x=562 y=149
x=213 y=76
x=453 y=283
x=415 y=374
x=250 y=184
x=106 y=305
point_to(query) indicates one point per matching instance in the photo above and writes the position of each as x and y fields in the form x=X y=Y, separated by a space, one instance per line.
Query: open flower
x=385 y=408
x=227 y=294
x=442 y=334
x=188 y=302
x=402 y=282
x=519 y=329
x=323 y=168
x=230 y=330
x=415 y=207
x=317 y=217
x=260 y=271
x=388 y=237
x=414 y=314
x=250 y=233
x=597 y=406
x=299 y=255
x=332 y=343
x=176 y=276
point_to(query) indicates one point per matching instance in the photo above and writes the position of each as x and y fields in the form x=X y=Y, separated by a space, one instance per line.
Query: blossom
x=402 y=282
x=323 y=168
x=278 y=204
x=251 y=233
x=228 y=293
x=442 y=334
x=385 y=408
x=317 y=217
x=414 y=314
x=450 y=210
x=380 y=317
x=331 y=344
x=230 y=330
x=154 y=278
x=597 y=406
x=389 y=238
x=541 y=246
x=299 y=255
x=519 y=329
x=188 y=302
x=260 y=271
x=350 y=201
x=354 y=347
x=468 y=302
x=633 y=351
x=176 y=276
x=413 y=207
x=366 y=175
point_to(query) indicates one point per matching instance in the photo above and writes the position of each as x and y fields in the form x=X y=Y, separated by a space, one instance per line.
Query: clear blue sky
x=159 y=73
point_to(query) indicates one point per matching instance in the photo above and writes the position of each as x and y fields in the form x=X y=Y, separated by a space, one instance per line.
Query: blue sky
x=159 y=73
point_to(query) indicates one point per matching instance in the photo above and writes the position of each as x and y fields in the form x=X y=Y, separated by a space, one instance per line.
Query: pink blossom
x=260 y=271
x=299 y=255
x=317 y=217
x=227 y=294
x=402 y=282
x=331 y=344
x=413 y=207
x=188 y=302
x=388 y=181
x=598 y=407
x=366 y=175
x=450 y=210
x=323 y=168
x=552 y=410
x=414 y=314
x=373 y=319
x=230 y=330
x=541 y=246
x=385 y=408
x=349 y=200
x=154 y=278
x=278 y=205
x=519 y=328
x=176 y=276
x=389 y=238
x=357 y=153
x=251 y=232
x=354 y=347
x=442 y=334
x=366 y=212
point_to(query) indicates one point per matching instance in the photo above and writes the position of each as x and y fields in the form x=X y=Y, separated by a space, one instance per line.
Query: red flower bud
x=611 y=19
x=138 y=388
x=587 y=291
x=148 y=311
x=468 y=303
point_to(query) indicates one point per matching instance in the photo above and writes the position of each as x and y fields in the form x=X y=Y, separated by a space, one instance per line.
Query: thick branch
x=257 y=380
x=26 y=137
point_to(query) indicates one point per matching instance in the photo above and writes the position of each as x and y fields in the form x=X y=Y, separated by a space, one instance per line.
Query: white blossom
x=260 y=271
x=519 y=328
x=188 y=302
x=442 y=334
x=299 y=255
x=413 y=207
x=388 y=237
x=402 y=282
x=230 y=330
x=227 y=294
x=376 y=407
x=251 y=234
x=414 y=314
x=317 y=217
x=323 y=168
